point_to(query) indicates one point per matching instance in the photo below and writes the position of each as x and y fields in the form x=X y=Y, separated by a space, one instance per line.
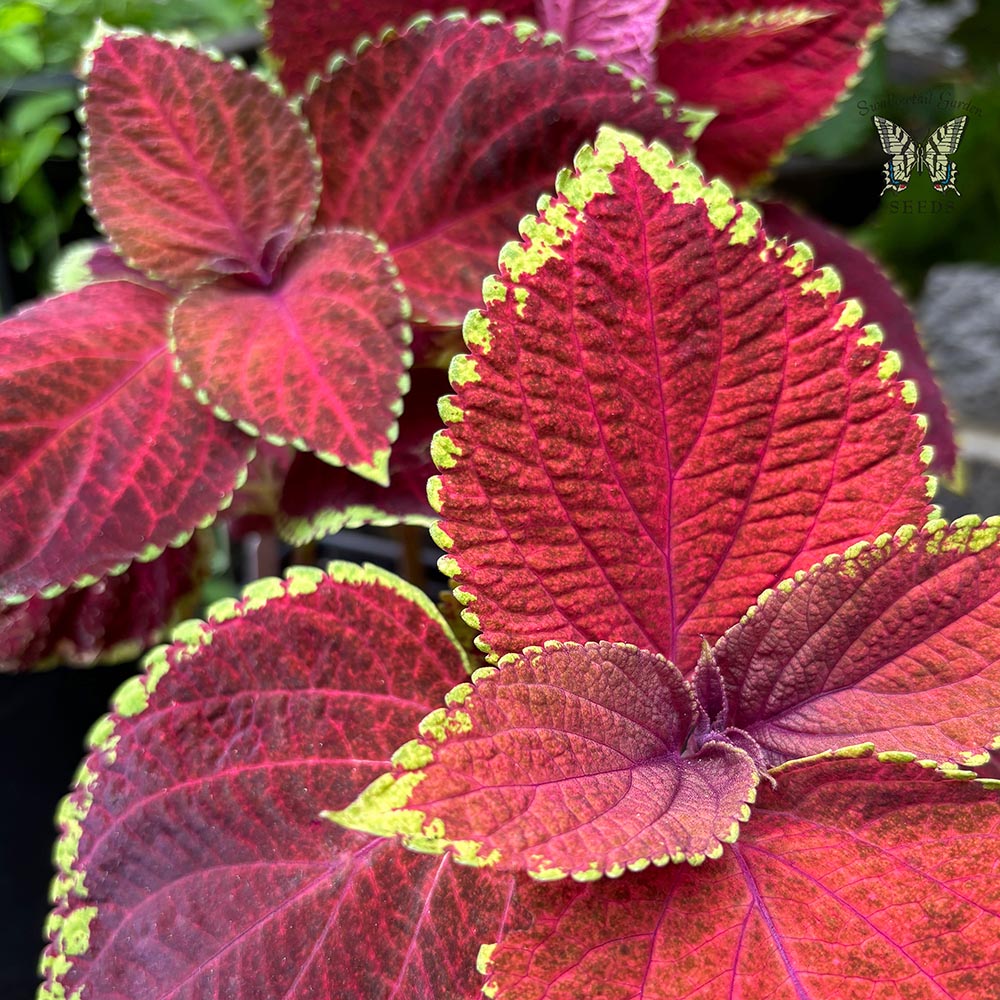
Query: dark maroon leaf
x=893 y=644
x=304 y=35
x=441 y=139
x=193 y=864
x=104 y=457
x=116 y=619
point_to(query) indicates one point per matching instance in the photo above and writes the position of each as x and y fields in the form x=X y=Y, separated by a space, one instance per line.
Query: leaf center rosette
x=570 y=759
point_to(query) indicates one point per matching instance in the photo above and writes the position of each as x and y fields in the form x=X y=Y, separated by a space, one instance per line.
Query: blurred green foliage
x=39 y=38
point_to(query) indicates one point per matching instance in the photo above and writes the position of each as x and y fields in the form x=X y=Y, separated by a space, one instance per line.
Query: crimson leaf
x=321 y=354
x=769 y=68
x=862 y=279
x=440 y=138
x=661 y=416
x=192 y=860
x=856 y=878
x=195 y=167
x=572 y=760
x=893 y=643
x=304 y=35
x=116 y=619
x=104 y=458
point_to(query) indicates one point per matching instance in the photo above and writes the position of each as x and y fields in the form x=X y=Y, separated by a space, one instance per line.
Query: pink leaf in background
x=317 y=360
x=192 y=853
x=854 y=879
x=862 y=279
x=770 y=69
x=318 y=499
x=114 y=620
x=572 y=760
x=617 y=31
x=659 y=419
x=893 y=644
x=104 y=457
x=440 y=140
x=195 y=167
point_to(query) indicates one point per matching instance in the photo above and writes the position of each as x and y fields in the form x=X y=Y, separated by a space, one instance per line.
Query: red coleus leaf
x=195 y=167
x=321 y=354
x=854 y=879
x=863 y=280
x=439 y=139
x=318 y=500
x=768 y=67
x=104 y=458
x=661 y=416
x=114 y=620
x=191 y=853
x=572 y=760
x=303 y=35
x=618 y=31
x=893 y=643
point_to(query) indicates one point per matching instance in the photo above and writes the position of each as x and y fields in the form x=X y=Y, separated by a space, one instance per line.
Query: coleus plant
x=664 y=418
x=257 y=233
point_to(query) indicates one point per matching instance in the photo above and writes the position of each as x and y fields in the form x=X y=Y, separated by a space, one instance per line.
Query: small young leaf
x=195 y=167
x=660 y=416
x=317 y=360
x=304 y=35
x=440 y=139
x=318 y=499
x=862 y=279
x=770 y=69
x=893 y=644
x=191 y=852
x=104 y=457
x=572 y=760
x=116 y=619
x=854 y=879
x=621 y=31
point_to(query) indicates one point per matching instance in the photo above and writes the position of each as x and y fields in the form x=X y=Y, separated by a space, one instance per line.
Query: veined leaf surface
x=318 y=359
x=893 y=644
x=439 y=139
x=195 y=167
x=853 y=879
x=568 y=760
x=192 y=860
x=104 y=456
x=661 y=415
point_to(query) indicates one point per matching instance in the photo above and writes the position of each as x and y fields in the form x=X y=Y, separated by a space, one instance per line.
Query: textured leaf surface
x=894 y=644
x=571 y=760
x=619 y=31
x=114 y=620
x=660 y=418
x=441 y=139
x=768 y=67
x=862 y=279
x=194 y=166
x=317 y=360
x=305 y=34
x=104 y=457
x=318 y=499
x=855 y=879
x=193 y=863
